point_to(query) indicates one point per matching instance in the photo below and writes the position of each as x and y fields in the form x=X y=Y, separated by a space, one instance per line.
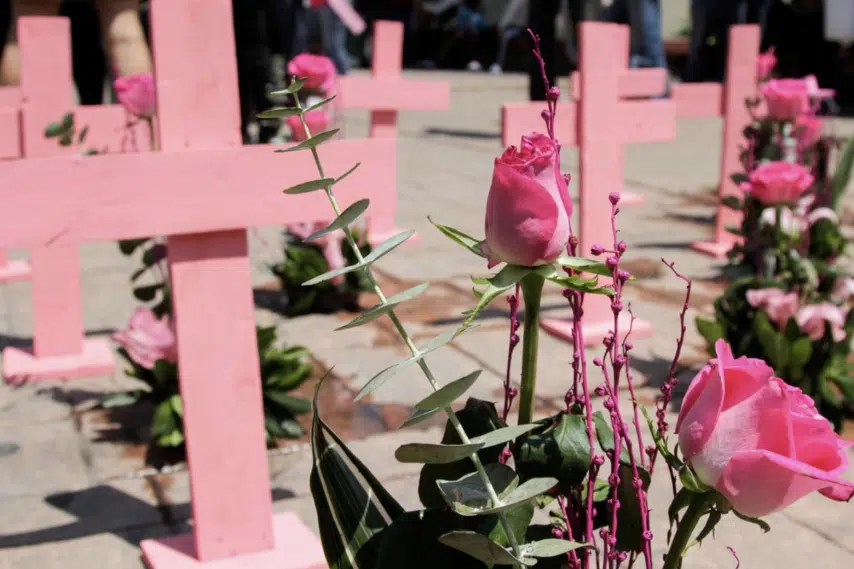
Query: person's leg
x=10 y=65
x=699 y=27
x=87 y=52
x=649 y=49
x=541 y=21
x=334 y=39
x=124 y=37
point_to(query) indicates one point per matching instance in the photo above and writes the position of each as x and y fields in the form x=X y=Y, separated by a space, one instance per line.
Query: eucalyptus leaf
x=119 y=400
x=418 y=417
x=470 y=492
x=296 y=84
x=550 y=547
x=526 y=492
x=449 y=393
x=481 y=547
x=504 y=435
x=310 y=186
x=319 y=104
x=313 y=142
x=348 y=172
x=279 y=113
x=381 y=309
x=348 y=216
x=388 y=246
x=429 y=453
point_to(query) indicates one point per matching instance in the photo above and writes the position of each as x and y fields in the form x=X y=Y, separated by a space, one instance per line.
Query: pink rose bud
x=786 y=99
x=317 y=122
x=317 y=70
x=137 y=94
x=778 y=182
x=758 y=441
x=808 y=130
x=777 y=304
x=811 y=319
x=765 y=64
x=528 y=207
x=147 y=339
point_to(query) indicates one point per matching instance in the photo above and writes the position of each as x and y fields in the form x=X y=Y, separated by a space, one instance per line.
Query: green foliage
x=305 y=261
x=65 y=132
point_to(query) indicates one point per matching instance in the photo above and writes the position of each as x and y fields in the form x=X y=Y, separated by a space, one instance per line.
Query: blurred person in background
x=644 y=17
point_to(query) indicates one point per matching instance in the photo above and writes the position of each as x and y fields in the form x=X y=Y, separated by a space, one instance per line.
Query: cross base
x=14 y=270
x=376 y=237
x=96 y=358
x=594 y=332
x=716 y=249
x=296 y=548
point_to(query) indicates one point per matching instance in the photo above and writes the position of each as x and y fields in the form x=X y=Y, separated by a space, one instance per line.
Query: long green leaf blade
x=280 y=113
x=312 y=142
x=427 y=453
x=381 y=309
x=310 y=186
x=334 y=273
x=347 y=217
x=388 y=246
x=448 y=393
x=320 y=104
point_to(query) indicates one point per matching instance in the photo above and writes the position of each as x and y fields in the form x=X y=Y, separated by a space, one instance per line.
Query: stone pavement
x=74 y=490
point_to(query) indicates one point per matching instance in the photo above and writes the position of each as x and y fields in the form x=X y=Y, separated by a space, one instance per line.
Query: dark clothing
x=541 y=21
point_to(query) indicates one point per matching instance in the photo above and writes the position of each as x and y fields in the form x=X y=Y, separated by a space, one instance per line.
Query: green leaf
x=296 y=84
x=501 y=282
x=459 y=237
x=428 y=453
x=526 y=492
x=763 y=525
x=147 y=293
x=713 y=519
x=575 y=282
x=629 y=516
x=390 y=303
x=584 y=265
x=265 y=337
x=601 y=489
x=550 y=547
x=320 y=104
x=164 y=421
x=710 y=330
x=52 y=130
x=120 y=400
x=310 y=186
x=348 y=172
x=690 y=481
x=171 y=439
x=448 y=394
x=669 y=457
x=842 y=175
x=347 y=217
x=417 y=417
x=66 y=138
x=480 y=547
x=470 y=492
x=605 y=436
x=504 y=435
x=177 y=404
x=680 y=501
x=801 y=352
x=378 y=252
x=739 y=178
x=312 y=142
x=561 y=451
x=279 y=113
x=128 y=246
x=378 y=380
x=82 y=136
x=295 y=405
x=353 y=508
x=773 y=343
x=518 y=518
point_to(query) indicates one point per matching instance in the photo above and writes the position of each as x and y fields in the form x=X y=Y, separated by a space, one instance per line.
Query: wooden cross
x=385 y=94
x=728 y=102
x=48 y=84
x=599 y=123
x=202 y=190
x=633 y=121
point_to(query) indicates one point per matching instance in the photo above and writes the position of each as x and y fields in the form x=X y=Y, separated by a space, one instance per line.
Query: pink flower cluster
x=147 y=339
x=137 y=94
x=780 y=306
x=778 y=182
x=787 y=99
x=758 y=441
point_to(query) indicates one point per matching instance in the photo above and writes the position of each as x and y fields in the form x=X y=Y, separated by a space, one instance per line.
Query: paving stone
x=31 y=403
x=48 y=460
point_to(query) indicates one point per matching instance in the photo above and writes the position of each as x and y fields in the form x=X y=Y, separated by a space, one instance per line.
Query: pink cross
x=599 y=123
x=49 y=85
x=202 y=190
x=635 y=121
x=386 y=93
x=714 y=100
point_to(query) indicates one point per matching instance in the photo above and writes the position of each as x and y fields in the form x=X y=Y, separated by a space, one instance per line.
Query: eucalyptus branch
x=407 y=339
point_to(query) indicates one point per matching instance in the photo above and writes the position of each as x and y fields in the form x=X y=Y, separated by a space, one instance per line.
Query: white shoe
x=495 y=69
x=474 y=66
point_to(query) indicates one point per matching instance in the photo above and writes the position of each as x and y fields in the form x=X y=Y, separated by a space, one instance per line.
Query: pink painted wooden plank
x=632 y=83
x=296 y=548
x=697 y=100
x=390 y=94
x=744 y=41
x=600 y=164
x=225 y=189
x=10 y=147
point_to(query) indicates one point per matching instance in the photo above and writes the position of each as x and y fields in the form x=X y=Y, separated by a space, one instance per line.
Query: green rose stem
x=487 y=483
x=697 y=507
x=532 y=291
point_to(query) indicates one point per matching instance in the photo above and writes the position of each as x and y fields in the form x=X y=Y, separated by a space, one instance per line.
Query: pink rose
x=778 y=182
x=317 y=122
x=807 y=130
x=528 y=207
x=811 y=320
x=137 y=94
x=758 y=441
x=765 y=64
x=147 y=339
x=317 y=70
x=788 y=98
x=778 y=305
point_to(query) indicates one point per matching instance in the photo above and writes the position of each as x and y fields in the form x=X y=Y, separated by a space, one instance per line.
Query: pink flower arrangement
x=765 y=64
x=317 y=70
x=147 y=339
x=786 y=99
x=807 y=130
x=137 y=94
x=318 y=121
x=778 y=182
x=759 y=442
x=528 y=207
x=811 y=319
x=777 y=304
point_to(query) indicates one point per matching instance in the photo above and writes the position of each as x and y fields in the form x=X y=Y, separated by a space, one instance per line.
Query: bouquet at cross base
x=748 y=443
x=789 y=302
